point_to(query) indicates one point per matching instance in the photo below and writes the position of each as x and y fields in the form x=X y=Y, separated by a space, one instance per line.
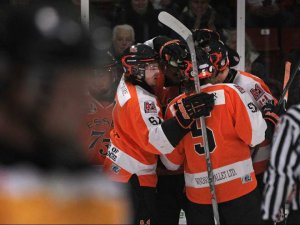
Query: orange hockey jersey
x=137 y=137
x=234 y=124
x=260 y=94
x=97 y=126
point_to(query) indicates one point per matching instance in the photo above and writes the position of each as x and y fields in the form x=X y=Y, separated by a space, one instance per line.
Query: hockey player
x=98 y=121
x=223 y=59
x=171 y=198
x=232 y=125
x=140 y=134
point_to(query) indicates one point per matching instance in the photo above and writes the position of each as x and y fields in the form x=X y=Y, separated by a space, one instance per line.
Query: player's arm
x=175 y=159
x=249 y=122
x=161 y=136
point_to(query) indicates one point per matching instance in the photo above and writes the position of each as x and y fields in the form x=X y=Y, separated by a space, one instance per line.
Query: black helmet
x=135 y=58
x=218 y=55
x=104 y=59
x=205 y=67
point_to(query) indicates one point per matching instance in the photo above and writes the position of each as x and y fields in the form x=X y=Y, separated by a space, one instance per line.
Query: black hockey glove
x=170 y=50
x=271 y=115
x=193 y=107
x=203 y=37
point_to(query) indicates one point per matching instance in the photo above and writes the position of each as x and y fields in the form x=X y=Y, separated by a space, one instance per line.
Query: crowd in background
x=266 y=62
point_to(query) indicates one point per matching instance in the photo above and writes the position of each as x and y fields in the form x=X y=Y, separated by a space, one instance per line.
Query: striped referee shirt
x=284 y=169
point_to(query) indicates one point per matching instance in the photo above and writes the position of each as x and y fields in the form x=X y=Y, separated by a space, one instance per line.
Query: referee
x=283 y=175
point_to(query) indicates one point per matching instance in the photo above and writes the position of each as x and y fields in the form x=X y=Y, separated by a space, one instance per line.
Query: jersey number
x=197 y=132
x=105 y=141
x=154 y=120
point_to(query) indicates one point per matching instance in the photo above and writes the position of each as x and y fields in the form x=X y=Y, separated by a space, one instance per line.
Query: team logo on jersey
x=150 y=107
x=239 y=88
x=247 y=178
x=115 y=168
x=257 y=92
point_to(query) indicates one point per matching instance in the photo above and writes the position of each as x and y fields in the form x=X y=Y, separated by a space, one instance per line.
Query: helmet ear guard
x=218 y=55
x=219 y=61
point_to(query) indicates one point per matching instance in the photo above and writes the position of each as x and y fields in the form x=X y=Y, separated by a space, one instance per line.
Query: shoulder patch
x=257 y=92
x=149 y=107
x=239 y=88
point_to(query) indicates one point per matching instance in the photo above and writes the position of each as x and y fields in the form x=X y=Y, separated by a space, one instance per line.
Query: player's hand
x=170 y=50
x=193 y=107
x=203 y=37
x=271 y=115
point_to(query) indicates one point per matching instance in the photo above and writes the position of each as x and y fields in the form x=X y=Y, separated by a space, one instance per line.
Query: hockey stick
x=187 y=35
x=286 y=85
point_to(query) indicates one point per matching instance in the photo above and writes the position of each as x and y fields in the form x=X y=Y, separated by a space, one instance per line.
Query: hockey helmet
x=104 y=59
x=203 y=37
x=219 y=55
x=136 y=57
x=205 y=67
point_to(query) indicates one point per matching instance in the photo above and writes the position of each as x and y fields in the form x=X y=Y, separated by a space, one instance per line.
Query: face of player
x=172 y=76
x=101 y=82
x=152 y=74
x=221 y=76
x=123 y=40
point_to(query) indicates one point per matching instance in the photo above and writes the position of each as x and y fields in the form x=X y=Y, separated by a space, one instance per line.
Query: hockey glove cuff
x=271 y=115
x=193 y=107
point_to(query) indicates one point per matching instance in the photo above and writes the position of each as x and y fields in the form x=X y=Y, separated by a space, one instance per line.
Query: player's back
x=233 y=125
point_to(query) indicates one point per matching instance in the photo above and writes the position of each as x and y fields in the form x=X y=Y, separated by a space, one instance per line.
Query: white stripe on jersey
x=251 y=86
x=152 y=120
x=123 y=94
x=258 y=124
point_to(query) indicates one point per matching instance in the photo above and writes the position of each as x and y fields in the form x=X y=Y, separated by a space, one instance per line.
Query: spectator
x=253 y=62
x=45 y=172
x=198 y=14
x=141 y=15
x=265 y=13
x=225 y=13
x=123 y=36
x=170 y=6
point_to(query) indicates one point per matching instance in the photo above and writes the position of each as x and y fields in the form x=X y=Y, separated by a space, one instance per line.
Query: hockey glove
x=170 y=50
x=271 y=115
x=203 y=37
x=193 y=107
